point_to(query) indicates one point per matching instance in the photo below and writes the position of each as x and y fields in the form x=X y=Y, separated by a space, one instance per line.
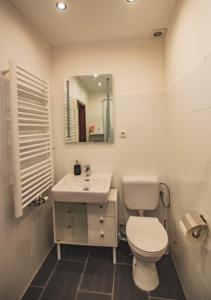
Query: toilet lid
x=147 y=234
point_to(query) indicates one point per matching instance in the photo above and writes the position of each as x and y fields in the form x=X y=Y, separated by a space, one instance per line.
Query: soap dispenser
x=77 y=168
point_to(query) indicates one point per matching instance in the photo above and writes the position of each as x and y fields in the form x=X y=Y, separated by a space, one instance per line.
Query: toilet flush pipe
x=166 y=205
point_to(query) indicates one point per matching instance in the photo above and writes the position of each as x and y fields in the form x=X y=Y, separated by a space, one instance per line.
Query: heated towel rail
x=31 y=136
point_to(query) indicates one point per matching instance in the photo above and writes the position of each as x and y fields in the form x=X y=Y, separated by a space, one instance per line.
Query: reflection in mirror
x=89 y=109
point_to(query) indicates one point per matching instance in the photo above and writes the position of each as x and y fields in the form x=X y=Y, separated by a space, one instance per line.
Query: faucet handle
x=87 y=169
x=87 y=166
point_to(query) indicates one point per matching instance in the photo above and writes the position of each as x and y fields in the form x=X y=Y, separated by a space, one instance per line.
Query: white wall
x=140 y=108
x=25 y=242
x=188 y=73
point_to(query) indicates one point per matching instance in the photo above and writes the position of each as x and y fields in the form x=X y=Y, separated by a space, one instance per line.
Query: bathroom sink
x=86 y=189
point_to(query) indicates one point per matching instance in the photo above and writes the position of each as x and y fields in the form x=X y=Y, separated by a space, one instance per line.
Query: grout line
x=114 y=277
x=124 y=264
x=37 y=286
x=49 y=278
x=160 y=298
x=74 y=260
x=95 y=292
x=82 y=275
x=197 y=110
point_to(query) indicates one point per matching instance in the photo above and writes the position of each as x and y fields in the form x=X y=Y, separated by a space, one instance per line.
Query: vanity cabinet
x=93 y=224
x=70 y=224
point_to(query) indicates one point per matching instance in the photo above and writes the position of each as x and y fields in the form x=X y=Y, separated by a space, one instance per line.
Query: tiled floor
x=87 y=273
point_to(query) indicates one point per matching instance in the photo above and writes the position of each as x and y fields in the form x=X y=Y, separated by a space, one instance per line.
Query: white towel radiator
x=31 y=136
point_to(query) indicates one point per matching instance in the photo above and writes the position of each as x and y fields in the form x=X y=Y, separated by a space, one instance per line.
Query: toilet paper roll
x=190 y=236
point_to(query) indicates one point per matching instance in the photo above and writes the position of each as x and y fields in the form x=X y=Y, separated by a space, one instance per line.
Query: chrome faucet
x=87 y=170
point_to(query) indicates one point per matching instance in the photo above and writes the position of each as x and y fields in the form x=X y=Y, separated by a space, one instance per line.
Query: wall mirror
x=89 y=109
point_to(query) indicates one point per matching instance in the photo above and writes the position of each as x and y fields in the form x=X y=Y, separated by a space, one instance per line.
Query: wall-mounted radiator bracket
x=4 y=72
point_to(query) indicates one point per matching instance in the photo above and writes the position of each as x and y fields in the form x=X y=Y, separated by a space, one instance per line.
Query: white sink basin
x=91 y=189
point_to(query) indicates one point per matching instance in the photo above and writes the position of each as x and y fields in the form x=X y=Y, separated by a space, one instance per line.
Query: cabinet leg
x=58 y=251
x=114 y=255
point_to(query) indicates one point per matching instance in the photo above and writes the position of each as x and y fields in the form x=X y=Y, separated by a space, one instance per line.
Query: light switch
x=123 y=134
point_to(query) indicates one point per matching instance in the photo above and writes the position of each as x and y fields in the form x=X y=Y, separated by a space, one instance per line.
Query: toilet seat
x=147 y=236
x=146 y=254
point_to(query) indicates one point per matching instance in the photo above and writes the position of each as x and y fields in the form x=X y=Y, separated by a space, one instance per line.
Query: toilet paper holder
x=194 y=223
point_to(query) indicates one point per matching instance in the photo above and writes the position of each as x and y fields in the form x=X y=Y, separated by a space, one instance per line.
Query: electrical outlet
x=123 y=134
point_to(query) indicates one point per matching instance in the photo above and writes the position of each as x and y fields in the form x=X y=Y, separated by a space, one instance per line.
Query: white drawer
x=102 y=237
x=103 y=209
x=101 y=222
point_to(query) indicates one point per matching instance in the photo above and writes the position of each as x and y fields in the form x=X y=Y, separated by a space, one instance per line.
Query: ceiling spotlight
x=131 y=1
x=61 y=5
x=99 y=84
x=95 y=75
x=157 y=33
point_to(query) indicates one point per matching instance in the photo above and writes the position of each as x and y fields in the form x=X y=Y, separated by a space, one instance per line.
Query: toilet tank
x=140 y=192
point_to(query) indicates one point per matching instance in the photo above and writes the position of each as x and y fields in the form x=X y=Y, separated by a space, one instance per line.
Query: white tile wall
x=24 y=242
x=187 y=49
x=189 y=173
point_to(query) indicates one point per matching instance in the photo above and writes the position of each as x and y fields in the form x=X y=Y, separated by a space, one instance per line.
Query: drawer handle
x=101 y=220
x=69 y=210
x=102 y=234
x=101 y=206
x=69 y=226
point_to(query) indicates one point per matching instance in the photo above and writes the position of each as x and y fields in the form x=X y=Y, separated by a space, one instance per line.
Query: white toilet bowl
x=148 y=241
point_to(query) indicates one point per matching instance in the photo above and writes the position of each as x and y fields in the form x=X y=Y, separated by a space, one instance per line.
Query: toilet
x=146 y=236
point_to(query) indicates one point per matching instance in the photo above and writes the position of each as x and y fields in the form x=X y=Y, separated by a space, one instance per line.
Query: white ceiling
x=96 y=20
x=91 y=82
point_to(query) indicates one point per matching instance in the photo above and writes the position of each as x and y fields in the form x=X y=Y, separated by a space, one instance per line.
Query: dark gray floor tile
x=46 y=269
x=124 y=254
x=64 y=281
x=169 y=286
x=32 y=293
x=158 y=298
x=75 y=252
x=102 y=253
x=98 y=276
x=92 y=296
x=124 y=287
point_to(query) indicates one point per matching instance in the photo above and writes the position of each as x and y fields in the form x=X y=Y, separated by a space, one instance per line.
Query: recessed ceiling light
x=131 y=0
x=95 y=75
x=157 y=33
x=99 y=84
x=61 y=5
